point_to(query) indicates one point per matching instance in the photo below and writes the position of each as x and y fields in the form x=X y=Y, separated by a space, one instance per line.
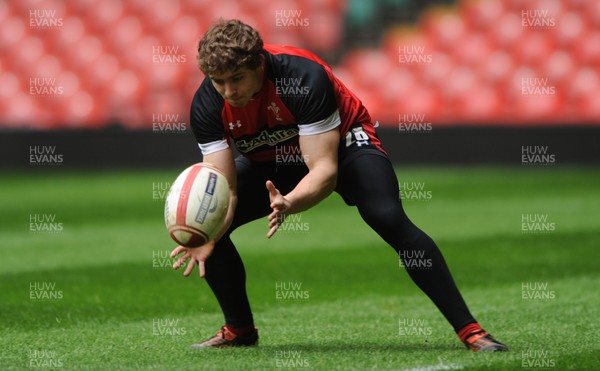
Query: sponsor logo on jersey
x=265 y=138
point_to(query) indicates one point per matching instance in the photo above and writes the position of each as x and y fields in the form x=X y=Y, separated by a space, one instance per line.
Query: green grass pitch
x=85 y=282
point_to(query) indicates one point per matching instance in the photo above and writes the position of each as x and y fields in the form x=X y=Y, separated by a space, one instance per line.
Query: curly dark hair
x=229 y=45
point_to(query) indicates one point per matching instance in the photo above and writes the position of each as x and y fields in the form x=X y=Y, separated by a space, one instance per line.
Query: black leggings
x=367 y=180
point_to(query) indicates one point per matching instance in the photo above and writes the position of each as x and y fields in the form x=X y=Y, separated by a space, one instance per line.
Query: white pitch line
x=437 y=367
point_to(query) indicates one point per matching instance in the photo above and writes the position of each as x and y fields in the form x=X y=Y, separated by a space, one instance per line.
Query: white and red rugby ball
x=197 y=205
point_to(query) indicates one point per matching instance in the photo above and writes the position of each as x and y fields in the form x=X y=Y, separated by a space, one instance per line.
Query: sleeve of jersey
x=316 y=111
x=205 y=120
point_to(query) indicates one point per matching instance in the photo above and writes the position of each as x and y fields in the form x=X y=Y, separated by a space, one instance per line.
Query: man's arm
x=320 y=152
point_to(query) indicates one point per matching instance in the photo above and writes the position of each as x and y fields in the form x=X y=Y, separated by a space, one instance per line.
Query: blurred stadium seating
x=120 y=62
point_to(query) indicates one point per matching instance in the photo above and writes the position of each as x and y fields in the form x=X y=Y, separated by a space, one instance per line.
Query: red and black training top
x=299 y=96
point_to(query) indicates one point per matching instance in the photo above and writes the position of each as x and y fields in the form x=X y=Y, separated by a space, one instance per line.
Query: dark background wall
x=117 y=148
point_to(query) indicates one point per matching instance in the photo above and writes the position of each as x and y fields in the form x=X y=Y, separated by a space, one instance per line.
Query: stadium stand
x=487 y=62
x=94 y=64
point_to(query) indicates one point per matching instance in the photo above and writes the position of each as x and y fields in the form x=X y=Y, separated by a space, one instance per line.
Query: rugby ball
x=196 y=205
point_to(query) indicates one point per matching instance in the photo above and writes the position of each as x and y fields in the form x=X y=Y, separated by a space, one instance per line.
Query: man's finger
x=271 y=188
x=272 y=231
x=180 y=261
x=176 y=251
x=201 y=268
x=190 y=267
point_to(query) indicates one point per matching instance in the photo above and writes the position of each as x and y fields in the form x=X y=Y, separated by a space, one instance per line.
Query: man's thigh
x=366 y=174
x=253 y=197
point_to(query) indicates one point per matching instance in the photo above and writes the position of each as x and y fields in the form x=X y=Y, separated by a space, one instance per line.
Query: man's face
x=239 y=86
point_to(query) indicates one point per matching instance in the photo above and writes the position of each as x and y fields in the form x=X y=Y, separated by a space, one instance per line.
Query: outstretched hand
x=279 y=205
x=194 y=255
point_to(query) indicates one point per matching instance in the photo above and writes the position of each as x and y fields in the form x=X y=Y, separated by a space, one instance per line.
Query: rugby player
x=261 y=98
